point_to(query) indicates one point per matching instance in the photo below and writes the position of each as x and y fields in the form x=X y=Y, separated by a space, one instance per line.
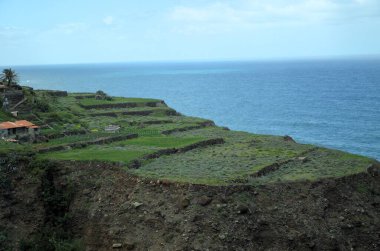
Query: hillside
x=108 y=172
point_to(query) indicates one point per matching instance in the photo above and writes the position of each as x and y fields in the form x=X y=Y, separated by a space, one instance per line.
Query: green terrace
x=74 y=139
x=123 y=151
x=322 y=163
x=242 y=155
x=116 y=102
x=133 y=111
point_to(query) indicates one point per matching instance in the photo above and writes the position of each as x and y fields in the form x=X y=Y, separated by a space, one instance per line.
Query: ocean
x=330 y=103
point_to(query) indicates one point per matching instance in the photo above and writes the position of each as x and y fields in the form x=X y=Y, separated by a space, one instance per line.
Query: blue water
x=332 y=103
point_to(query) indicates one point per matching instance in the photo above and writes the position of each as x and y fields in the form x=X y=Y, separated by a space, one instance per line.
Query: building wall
x=22 y=130
x=3 y=133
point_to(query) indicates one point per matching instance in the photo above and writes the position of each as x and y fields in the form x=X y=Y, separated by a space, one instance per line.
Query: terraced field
x=122 y=151
x=167 y=145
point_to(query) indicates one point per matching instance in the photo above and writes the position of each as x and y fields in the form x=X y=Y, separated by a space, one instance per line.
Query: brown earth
x=113 y=210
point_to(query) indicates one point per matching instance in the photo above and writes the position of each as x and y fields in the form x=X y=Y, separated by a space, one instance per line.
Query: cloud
x=227 y=15
x=14 y=36
x=12 y=32
x=108 y=20
x=70 y=28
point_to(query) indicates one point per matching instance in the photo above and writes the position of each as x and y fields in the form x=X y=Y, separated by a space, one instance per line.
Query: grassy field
x=74 y=139
x=321 y=163
x=159 y=141
x=122 y=151
x=241 y=155
x=98 y=153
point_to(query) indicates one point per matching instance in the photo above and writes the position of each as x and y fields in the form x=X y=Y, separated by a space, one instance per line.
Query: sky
x=93 y=31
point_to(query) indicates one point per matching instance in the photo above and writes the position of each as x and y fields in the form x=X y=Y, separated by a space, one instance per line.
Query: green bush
x=42 y=105
x=54 y=234
x=60 y=116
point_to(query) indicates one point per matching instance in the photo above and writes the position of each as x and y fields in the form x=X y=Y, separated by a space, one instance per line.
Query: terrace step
x=277 y=165
x=168 y=112
x=123 y=105
x=85 y=96
x=82 y=144
x=205 y=143
x=188 y=128
x=151 y=122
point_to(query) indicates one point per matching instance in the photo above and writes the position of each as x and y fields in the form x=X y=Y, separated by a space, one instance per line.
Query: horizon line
x=226 y=60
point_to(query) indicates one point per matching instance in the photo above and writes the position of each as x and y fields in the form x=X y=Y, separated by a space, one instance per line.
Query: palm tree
x=9 y=76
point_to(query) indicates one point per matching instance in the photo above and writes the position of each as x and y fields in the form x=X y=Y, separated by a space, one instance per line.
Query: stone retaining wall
x=209 y=142
x=85 y=96
x=123 y=105
x=188 y=128
x=64 y=134
x=57 y=93
x=82 y=144
x=168 y=112
x=277 y=165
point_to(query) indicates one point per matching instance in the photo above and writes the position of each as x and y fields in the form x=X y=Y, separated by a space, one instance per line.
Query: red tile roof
x=17 y=124
x=24 y=123
x=9 y=125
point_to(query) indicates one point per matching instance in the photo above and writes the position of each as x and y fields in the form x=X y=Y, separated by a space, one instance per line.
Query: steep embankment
x=106 y=207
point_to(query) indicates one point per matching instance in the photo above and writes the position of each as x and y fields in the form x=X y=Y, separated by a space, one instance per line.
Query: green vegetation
x=162 y=141
x=4 y=116
x=9 y=77
x=74 y=139
x=54 y=233
x=99 y=153
x=241 y=155
x=123 y=151
x=321 y=163
x=8 y=147
x=244 y=158
x=116 y=100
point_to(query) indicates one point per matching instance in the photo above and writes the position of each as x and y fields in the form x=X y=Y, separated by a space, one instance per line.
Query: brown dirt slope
x=112 y=210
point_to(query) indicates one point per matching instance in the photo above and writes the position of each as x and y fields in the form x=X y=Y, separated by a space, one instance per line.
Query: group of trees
x=9 y=77
x=102 y=95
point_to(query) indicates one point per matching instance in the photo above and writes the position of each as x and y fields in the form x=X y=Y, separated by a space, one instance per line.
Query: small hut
x=18 y=128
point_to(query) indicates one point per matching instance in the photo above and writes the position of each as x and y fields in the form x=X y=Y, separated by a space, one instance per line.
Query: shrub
x=42 y=105
x=54 y=234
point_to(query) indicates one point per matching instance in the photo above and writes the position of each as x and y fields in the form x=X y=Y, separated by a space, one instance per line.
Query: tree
x=101 y=93
x=9 y=76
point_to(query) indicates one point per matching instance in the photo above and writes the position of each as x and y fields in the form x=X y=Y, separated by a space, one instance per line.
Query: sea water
x=331 y=103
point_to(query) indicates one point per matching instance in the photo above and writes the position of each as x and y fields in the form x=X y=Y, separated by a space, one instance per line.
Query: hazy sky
x=75 y=31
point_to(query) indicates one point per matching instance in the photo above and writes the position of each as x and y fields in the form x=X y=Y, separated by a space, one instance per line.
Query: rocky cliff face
x=107 y=208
